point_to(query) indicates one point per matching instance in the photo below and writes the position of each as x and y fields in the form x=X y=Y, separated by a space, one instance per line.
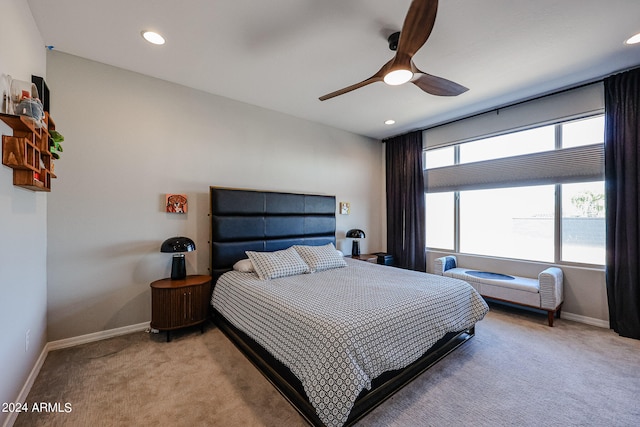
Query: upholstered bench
x=544 y=293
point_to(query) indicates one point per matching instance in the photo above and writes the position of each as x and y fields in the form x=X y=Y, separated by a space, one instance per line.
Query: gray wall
x=129 y=139
x=23 y=222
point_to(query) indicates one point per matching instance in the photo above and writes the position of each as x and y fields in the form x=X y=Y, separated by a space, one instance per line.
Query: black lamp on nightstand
x=177 y=245
x=355 y=234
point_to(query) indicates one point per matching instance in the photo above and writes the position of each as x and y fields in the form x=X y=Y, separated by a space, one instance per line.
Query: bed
x=332 y=334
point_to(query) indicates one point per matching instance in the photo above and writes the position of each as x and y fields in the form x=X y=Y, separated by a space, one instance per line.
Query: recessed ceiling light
x=633 y=39
x=153 y=37
x=389 y=122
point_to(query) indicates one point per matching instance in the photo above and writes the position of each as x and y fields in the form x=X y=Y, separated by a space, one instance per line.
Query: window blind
x=576 y=164
x=579 y=102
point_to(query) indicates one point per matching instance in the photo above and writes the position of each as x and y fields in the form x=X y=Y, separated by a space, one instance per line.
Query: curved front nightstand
x=180 y=303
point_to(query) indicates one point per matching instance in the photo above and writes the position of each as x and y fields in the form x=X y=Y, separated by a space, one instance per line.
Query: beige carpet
x=515 y=371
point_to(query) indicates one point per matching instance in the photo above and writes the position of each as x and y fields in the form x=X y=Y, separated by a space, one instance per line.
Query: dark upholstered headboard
x=253 y=220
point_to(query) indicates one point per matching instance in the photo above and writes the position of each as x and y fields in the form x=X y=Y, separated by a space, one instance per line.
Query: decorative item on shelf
x=24 y=101
x=32 y=108
x=5 y=82
x=355 y=234
x=55 y=146
x=43 y=91
x=177 y=245
x=176 y=203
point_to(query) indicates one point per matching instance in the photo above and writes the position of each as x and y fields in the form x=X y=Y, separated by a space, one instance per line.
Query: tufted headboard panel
x=254 y=220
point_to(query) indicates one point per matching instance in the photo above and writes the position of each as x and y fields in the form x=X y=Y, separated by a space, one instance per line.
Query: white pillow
x=244 y=265
x=321 y=258
x=271 y=265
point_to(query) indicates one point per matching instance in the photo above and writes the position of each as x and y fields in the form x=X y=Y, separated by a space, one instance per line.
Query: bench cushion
x=518 y=283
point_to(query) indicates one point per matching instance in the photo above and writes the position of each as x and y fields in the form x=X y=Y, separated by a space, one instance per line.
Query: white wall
x=23 y=221
x=129 y=139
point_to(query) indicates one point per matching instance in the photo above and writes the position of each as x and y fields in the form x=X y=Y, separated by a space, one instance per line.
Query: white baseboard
x=584 y=319
x=64 y=343
x=96 y=336
x=565 y=315
x=22 y=397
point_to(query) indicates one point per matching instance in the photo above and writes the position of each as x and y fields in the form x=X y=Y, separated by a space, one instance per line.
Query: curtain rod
x=513 y=104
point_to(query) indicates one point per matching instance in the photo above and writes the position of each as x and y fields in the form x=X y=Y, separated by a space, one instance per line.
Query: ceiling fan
x=416 y=29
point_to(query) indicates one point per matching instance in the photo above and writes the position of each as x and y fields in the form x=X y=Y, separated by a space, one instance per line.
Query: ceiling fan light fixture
x=633 y=39
x=416 y=28
x=398 y=77
x=153 y=37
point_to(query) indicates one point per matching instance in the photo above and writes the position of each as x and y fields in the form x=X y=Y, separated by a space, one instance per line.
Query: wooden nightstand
x=365 y=257
x=376 y=258
x=180 y=303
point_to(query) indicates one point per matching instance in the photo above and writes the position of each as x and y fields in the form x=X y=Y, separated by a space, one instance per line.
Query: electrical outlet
x=26 y=340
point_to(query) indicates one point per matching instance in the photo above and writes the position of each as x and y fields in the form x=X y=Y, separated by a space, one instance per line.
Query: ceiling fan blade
x=377 y=77
x=437 y=85
x=342 y=91
x=417 y=27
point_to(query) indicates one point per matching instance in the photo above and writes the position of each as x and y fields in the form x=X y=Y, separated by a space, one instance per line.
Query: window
x=583 y=223
x=508 y=222
x=514 y=144
x=583 y=132
x=439 y=157
x=440 y=220
x=536 y=195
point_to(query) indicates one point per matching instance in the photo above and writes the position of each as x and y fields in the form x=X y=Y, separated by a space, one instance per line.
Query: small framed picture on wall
x=176 y=203
x=345 y=208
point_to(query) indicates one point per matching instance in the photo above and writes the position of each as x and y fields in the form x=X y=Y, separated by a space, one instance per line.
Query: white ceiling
x=284 y=54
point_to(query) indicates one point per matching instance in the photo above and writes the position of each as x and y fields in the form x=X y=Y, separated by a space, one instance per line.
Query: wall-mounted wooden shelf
x=27 y=152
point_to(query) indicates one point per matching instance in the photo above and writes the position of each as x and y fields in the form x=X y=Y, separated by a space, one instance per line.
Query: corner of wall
x=23 y=214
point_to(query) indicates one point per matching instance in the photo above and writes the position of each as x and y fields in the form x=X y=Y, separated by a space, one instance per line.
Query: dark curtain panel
x=622 y=183
x=405 y=201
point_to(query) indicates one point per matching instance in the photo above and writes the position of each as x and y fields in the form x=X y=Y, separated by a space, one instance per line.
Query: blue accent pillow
x=449 y=263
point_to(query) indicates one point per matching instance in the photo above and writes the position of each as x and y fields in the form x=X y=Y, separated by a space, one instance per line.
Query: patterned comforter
x=336 y=330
